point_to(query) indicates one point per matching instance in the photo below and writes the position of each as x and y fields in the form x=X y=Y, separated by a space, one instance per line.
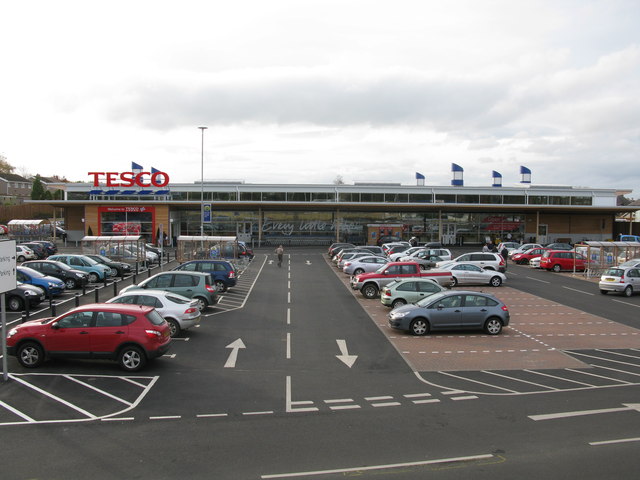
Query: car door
x=408 y=291
x=476 y=275
x=184 y=285
x=110 y=331
x=474 y=311
x=633 y=277
x=70 y=334
x=426 y=288
x=446 y=313
x=460 y=273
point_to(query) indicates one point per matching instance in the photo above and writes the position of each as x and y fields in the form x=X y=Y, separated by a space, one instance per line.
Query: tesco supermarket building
x=146 y=203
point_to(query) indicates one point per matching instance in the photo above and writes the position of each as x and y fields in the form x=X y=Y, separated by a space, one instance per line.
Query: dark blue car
x=51 y=285
x=224 y=273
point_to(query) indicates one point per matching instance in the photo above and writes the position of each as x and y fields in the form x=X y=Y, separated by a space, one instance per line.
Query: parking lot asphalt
x=540 y=335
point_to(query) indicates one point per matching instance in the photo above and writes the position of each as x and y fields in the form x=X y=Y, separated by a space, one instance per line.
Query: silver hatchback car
x=364 y=265
x=620 y=279
x=452 y=310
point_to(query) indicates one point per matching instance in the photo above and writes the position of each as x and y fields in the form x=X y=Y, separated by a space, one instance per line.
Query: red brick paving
x=538 y=333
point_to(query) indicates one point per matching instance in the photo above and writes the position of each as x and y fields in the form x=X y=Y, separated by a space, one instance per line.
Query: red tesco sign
x=129 y=179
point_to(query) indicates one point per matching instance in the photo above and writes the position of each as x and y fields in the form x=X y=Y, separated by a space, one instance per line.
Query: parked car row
x=413 y=281
x=131 y=328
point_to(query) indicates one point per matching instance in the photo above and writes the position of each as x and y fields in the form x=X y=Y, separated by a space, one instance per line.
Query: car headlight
x=399 y=314
x=12 y=332
x=51 y=284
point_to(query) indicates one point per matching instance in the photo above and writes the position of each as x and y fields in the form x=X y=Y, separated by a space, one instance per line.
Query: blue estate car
x=51 y=285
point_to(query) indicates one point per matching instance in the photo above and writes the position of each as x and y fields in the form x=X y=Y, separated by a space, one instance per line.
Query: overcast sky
x=302 y=91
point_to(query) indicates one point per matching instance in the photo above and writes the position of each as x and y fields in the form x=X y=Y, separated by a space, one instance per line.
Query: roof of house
x=12 y=177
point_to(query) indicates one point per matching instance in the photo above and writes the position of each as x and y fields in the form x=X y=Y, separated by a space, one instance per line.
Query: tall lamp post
x=202 y=129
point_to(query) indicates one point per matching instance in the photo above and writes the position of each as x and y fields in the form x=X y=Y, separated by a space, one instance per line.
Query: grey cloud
x=393 y=99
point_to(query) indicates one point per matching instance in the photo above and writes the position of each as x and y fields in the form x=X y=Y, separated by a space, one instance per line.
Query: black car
x=50 y=247
x=72 y=278
x=17 y=298
x=37 y=248
x=118 y=269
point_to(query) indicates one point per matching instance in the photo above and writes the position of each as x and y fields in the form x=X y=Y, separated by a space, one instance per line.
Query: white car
x=443 y=253
x=395 y=257
x=523 y=248
x=535 y=262
x=179 y=312
x=364 y=265
x=25 y=253
x=471 y=274
x=487 y=260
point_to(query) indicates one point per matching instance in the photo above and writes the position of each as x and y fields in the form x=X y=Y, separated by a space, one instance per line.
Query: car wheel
x=202 y=303
x=493 y=326
x=495 y=281
x=628 y=291
x=370 y=290
x=419 y=327
x=220 y=286
x=93 y=277
x=15 y=304
x=603 y=292
x=556 y=268
x=70 y=283
x=358 y=271
x=174 y=327
x=114 y=272
x=30 y=355
x=20 y=258
x=423 y=266
x=398 y=302
x=131 y=358
x=454 y=282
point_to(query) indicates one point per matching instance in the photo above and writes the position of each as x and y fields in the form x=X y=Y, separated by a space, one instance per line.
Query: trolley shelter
x=602 y=255
x=124 y=248
x=27 y=230
x=206 y=247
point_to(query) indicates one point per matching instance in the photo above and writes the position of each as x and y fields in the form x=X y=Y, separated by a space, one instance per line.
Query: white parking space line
x=519 y=380
x=17 y=412
x=53 y=397
x=379 y=467
x=626 y=303
x=537 y=280
x=579 y=291
x=102 y=392
x=611 y=442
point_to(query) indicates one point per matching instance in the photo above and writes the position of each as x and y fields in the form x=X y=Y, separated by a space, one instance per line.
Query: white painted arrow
x=233 y=356
x=308 y=262
x=270 y=262
x=345 y=358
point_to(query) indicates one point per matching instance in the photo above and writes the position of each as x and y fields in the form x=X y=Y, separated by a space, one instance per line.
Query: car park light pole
x=202 y=129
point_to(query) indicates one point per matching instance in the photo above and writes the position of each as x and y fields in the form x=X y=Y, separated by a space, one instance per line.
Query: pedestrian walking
x=280 y=253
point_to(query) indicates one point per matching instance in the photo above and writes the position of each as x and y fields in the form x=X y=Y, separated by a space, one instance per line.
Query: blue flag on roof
x=154 y=170
x=135 y=166
x=419 y=176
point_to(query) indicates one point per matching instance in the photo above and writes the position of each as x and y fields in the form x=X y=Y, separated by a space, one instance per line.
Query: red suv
x=129 y=334
x=557 y=260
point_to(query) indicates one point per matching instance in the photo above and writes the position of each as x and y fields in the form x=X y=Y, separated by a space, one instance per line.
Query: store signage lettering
x=129 y=179
x=285 y=228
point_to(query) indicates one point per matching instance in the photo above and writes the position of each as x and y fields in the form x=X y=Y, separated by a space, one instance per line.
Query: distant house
x=14 y=187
